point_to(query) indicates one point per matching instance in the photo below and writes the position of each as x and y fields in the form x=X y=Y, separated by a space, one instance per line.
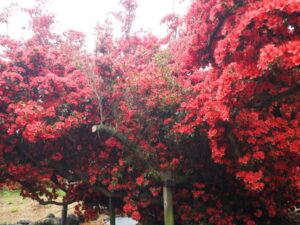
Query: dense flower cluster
x=218 y=108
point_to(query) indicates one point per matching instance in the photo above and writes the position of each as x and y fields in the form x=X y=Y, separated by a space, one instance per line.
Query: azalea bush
x=218 y=108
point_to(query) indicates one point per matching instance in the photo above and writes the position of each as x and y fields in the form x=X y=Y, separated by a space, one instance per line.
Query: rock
x=52 y=220
x=72 y=219
x=50 y=215
x=24 y=222
x=48 y=221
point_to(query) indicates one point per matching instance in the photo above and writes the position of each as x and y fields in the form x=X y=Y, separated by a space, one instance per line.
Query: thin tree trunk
x=64 y=212
x=112 y=214
x=168 y=204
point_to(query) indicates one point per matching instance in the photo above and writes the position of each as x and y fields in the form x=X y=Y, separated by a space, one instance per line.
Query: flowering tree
x=214 y=117
x=247 y=102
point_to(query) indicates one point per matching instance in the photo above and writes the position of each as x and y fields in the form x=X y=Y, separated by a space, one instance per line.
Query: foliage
x=219 y=108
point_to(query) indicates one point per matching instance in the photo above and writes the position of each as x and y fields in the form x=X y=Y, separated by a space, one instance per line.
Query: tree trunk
x=168 y=205
x=64 y=212
x=112 y=214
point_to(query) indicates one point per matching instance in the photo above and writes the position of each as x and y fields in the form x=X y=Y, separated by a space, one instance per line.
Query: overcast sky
x=83 y=15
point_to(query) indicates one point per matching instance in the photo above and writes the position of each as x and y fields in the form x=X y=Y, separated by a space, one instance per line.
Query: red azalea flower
x=139 y=180
x=136 y=215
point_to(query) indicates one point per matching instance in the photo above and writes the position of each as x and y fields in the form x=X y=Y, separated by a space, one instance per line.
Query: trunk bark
x=112 y=216
x=168 y=205
x=64 y=212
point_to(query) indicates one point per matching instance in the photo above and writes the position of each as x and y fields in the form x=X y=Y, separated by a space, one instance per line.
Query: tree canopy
x=215 y=104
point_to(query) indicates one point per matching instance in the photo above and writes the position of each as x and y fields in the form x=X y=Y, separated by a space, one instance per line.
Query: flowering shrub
x=219 y=108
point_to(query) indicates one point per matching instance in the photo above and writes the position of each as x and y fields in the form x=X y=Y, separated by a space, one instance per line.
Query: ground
x=14 y=208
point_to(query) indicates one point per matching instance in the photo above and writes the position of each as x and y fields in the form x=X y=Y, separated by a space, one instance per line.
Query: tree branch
x=103 y=129
x=108 y=193
x=228 y=13
x=230 y=137
x=268 y=101
x=62 y=170
x=40 y=200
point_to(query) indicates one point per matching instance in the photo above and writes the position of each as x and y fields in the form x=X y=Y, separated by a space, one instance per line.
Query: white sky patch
x=83 y=15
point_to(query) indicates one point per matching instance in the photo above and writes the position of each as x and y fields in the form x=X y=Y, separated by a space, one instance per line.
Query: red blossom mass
x=218 y=107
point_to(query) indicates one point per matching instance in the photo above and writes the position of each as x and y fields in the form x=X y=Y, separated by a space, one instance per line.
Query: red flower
x=93 y=180
x=258 y=213
x=121 y=162
x=250 y=222
x=127 y=207
x=198 y=185
x=174 y=162
x=136 y=215
x=244 y=160
x=259 y=155
x=114 y=170
x=196 y=194
x=57 y=156
x=139 y=180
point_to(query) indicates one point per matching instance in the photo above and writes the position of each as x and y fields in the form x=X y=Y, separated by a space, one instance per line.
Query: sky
x=83 y=15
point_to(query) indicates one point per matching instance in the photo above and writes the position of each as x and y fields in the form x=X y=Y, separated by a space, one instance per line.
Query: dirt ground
x=14 y=208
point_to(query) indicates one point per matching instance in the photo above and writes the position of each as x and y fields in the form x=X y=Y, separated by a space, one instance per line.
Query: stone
x=24 y=222
x=72 y=219
x=48 y=221
x=50 y=215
